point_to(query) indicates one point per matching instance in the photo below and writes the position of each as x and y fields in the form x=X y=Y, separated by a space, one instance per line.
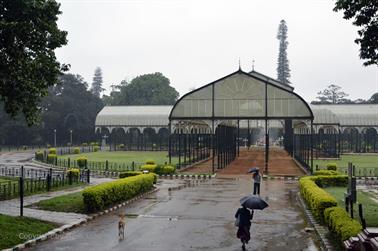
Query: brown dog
x=121 y=226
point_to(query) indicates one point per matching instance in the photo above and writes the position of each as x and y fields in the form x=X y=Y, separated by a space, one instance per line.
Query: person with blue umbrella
x=256 y=178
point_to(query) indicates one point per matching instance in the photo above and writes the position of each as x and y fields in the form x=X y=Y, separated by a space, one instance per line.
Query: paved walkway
x=200 y=217
x=280 y=163
x=12 y=207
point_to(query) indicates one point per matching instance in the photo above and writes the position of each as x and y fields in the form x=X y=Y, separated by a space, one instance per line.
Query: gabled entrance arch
x=236 y=97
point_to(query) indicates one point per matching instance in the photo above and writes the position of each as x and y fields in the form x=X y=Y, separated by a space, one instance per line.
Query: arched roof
x=241 y=96
x=153 y=115
x=347 y=115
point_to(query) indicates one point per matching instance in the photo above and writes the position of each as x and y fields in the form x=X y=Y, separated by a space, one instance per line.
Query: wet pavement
x=198 y=217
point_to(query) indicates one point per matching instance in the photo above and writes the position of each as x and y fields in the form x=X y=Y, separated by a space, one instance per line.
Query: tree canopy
x=147 y=89
x=332 y=95
x=283 y=70
x=365 y=14
x=29 y=36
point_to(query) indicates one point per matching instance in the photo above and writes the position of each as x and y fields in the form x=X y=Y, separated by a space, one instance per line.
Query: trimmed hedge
x=149 y=167
x=39 y=155
x=104 y=195
x=76 y=150
x=150 y=162
x=82 y=161
x=317 y=199
x=84 y=144
x=51 y=158
x=331 y=180
x=121 y=146
x=74 y=173
x=332 y=166
x=326 y=172
x=341 y=224
x=96 y=148
x=129 y=174
x=158 y=169
x=52 y=150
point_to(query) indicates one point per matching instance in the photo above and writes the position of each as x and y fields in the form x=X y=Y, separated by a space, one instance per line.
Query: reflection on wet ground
x=198 y=217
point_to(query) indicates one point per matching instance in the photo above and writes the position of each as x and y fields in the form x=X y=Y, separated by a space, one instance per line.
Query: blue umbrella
x=253 y=202
x=254 y=170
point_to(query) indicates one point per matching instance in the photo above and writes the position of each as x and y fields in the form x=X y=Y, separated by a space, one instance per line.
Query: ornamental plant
x=96 y=148
x=39 y=155
x=82 y=161
x=74 y=173
x=121 y=146
x=332 y=166
x=84 y=144
x=52 y=150
x=51 y=158
x=76 y=150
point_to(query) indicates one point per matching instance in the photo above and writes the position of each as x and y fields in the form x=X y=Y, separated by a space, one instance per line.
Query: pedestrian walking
x=256 y=182
x=243 y=221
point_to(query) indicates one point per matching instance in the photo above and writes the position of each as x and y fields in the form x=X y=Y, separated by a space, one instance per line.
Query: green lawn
x=124 y=157
x=15 y=230
x=370 y=207
x=366 y=165
x=66 y=203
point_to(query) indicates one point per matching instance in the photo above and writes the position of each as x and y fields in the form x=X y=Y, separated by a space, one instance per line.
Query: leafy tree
x=365 y=14
x=374 y=99
x=97 y=83
x=148 y=89
x=70 y=106
x=283 y=70
x=28 y=37
x=332 y=95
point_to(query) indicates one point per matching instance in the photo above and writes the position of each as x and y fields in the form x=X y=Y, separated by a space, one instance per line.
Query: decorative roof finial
x=253 y=65
x=239 y=65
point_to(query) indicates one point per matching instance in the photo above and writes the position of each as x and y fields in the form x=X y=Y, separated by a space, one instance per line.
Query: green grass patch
x=72 y=203
x=124 y=157
x=16 y=230
x=366 y=165
x=370 y=207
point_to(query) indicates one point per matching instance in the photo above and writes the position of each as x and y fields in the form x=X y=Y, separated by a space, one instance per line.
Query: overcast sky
x=196 y=42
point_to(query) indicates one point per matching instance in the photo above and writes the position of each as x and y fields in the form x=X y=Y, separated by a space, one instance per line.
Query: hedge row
x=324 y=206
x=341 y=224
x=158 y=169
x=129 y=174
x=326 y=172
x=104 y=195
x=317 y=199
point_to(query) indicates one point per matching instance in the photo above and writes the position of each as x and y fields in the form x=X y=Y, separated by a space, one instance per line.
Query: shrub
x=326 y=172
x=149 y=167
x=74 y=173
x=341 y=224
x=48 y=146
x=165 y=169
x=94 y=143
x=82 y=161
x=150 y=162
x=121 y=146
x=51 y=158
x=332 y=166
x=330 y=180
x=84 y=144
x=76 y=150
x=129 y=174
x=52 y=150
x=96 y=148
x=39 y=155
x=103 y=195
x=317 y=199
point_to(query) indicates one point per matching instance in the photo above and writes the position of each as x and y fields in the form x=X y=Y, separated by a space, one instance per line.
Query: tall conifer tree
x=283 y=70
x=96 y=88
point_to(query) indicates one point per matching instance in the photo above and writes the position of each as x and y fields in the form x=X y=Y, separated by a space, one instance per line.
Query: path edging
x=187 y=176
x=62 y=229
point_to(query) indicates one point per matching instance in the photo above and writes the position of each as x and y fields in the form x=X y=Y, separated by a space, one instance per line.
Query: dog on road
x=121 y=226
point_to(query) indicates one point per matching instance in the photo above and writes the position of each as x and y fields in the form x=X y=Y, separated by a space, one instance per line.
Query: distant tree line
x=334 y=95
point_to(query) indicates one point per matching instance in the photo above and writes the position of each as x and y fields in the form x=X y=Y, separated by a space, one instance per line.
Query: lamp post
x=71 y=137
x=54 y=137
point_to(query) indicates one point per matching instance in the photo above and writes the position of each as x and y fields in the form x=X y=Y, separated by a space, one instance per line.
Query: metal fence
x=35 y=180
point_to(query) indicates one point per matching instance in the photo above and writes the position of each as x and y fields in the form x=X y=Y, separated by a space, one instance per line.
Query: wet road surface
x=199 y=217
